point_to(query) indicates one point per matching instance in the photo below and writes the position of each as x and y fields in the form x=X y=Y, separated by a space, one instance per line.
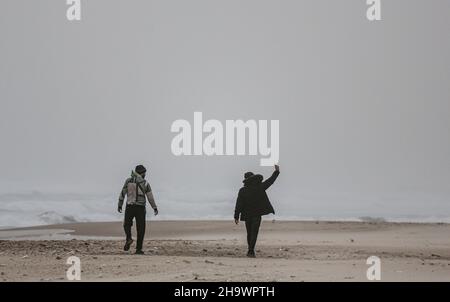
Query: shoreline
x=112 y=230
x=219 y=219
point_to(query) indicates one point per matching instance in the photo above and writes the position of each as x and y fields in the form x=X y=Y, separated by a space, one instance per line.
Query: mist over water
x=35 y=208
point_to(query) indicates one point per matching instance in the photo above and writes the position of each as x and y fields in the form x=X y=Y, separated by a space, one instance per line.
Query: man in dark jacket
x=252 y=203
x=136 y=188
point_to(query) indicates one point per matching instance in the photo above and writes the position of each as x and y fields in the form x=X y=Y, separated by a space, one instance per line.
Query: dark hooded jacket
x=252 y=198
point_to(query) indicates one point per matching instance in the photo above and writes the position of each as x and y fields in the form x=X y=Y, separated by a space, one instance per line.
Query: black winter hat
x=140 y=169
x=248 y=174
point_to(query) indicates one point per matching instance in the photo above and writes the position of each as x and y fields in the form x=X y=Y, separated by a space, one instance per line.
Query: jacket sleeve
x=149 y=194
x=269 y=181
x=123 y=193
x=238 y=208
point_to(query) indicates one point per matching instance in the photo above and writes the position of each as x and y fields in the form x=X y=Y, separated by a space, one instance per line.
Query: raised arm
x=269 y=181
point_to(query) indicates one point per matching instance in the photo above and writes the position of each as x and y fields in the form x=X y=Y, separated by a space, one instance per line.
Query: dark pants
x=252 y=225
x=138 y=212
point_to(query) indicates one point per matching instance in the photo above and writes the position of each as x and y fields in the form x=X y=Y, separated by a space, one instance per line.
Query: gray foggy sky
x=364 y=107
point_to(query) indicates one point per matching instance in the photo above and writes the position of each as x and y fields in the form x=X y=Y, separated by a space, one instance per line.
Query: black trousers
x=252 y=225
x=138 y=212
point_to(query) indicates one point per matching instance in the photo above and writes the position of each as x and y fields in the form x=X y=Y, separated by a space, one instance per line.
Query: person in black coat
x=252 y=203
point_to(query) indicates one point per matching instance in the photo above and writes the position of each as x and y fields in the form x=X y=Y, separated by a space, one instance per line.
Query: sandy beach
x=215 y=251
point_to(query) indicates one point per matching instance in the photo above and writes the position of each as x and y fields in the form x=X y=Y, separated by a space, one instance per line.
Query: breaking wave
x=35 y=208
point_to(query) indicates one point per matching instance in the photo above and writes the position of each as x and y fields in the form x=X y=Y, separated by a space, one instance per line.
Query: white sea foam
x=37 y=208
